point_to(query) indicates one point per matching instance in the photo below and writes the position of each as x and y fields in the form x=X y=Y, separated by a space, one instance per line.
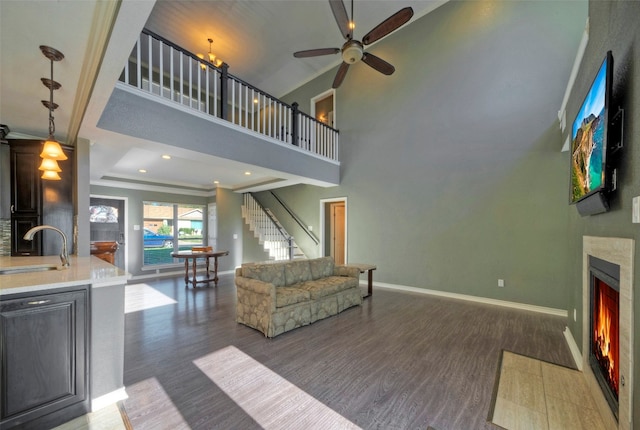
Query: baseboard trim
x=573 y=347
x=485 y=300
x=172 y=274
x=108 y=399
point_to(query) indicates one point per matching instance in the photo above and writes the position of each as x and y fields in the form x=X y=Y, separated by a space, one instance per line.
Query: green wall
x=613 y=26
x=230 y=227
x=452 y=166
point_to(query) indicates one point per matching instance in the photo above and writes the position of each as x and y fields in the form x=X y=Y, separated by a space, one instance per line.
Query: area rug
x=531 y=393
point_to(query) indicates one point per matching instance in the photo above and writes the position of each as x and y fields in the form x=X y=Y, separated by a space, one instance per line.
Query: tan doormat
x=531 y=393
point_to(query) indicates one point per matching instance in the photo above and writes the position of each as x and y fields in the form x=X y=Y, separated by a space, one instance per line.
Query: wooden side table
x=194 y=255
x=369 y=268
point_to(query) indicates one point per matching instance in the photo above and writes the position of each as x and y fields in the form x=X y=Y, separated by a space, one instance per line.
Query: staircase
x=270 y=233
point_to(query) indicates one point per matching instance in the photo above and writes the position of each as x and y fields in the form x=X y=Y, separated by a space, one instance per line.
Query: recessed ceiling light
x=166 y=157
x=142 y=171
x=247 y=173
x=216 y=182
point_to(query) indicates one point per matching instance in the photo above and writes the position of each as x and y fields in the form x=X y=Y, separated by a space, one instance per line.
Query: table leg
x=370 y=286
x=194 y=272
x=215 y=271
x=207 y=266
x=186 y=271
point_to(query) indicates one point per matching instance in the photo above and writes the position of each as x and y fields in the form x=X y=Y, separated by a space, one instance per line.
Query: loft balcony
x=168 y=95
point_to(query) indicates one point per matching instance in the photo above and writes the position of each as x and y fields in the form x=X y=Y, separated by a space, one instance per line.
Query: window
x=103 y=214
x=170 y=227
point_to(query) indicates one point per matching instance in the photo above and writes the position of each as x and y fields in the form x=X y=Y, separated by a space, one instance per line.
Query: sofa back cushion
x=297 y=271
x=273 y=273
x=321 y=267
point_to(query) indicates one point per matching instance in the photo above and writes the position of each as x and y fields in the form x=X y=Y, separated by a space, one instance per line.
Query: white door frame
x=324 y=95
x=126 y=223
x=322 y=224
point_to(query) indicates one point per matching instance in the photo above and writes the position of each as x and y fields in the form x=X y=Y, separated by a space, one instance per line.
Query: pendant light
x=212 y=57
x=51 y=150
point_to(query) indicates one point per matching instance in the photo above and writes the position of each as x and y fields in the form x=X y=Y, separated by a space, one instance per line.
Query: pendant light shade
x=49 y=164
x=52 y=150
x=51 y=175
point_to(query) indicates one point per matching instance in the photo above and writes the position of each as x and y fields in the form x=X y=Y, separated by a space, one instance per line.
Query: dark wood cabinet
x=35 y=201
x=45 y=358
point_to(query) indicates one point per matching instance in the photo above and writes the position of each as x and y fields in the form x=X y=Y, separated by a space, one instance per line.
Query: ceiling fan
x=353 y=50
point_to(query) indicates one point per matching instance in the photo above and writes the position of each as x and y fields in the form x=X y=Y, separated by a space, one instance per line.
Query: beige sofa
x=278 y=297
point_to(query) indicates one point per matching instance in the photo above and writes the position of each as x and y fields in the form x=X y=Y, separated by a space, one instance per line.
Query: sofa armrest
x=255 y=285
x=350 y=271
x=256 y=294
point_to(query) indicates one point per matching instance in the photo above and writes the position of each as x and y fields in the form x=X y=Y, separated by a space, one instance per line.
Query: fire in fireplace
x=604 y=354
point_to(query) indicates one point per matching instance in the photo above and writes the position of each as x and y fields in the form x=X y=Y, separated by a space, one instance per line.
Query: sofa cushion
x=327 y=286
x=273 y=273
x=296 y=272
x=321 y=267
x=290 y=296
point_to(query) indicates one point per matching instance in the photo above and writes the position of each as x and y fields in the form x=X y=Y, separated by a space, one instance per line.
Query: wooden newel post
x=294 y=123
x=224 y=91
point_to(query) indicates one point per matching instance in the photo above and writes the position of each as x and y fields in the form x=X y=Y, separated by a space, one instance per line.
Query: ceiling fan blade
x=316 y=52
x=342 y=72
x=378 y=63
x=340 y=14
x=389 y=25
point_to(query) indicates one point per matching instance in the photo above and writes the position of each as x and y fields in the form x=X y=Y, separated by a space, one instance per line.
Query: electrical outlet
x=500 y=282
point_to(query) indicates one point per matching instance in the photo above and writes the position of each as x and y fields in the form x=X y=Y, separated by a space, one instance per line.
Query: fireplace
x=604 y=351
x=608 y=260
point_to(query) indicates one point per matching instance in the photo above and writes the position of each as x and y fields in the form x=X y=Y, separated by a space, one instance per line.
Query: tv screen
x=589 y=137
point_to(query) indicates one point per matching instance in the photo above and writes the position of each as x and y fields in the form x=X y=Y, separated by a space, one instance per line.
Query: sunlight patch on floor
x=155 y=405
x=138 y=297
x=272 y=401
x=107 y=418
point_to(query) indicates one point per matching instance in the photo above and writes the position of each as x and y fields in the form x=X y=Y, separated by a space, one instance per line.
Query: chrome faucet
x=64 y=254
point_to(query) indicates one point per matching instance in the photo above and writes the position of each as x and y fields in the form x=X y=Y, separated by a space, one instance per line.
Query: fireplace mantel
x=619 y=251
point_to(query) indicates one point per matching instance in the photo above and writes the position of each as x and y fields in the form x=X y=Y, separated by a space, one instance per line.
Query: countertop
x=81 y=271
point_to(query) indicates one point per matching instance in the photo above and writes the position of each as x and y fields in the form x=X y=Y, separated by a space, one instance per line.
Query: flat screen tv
x=589 y=137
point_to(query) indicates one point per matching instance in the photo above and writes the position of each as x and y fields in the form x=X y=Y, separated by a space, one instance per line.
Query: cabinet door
x=25 y=179
x=44 y=359
x=19 y=226
x=26 y=196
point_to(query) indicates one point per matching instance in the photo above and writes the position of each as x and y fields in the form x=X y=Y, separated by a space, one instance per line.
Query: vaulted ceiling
x=255 y=37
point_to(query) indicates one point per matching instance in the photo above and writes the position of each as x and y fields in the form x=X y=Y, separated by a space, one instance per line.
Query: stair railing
x=263 y=223
x=296 y=218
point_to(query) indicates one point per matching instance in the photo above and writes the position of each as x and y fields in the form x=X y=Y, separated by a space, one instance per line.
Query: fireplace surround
x=620 y=252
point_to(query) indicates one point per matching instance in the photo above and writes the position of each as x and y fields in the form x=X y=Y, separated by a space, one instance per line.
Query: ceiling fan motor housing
x=352 y=52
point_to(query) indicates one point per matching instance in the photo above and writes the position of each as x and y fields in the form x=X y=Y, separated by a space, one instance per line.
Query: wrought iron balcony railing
x=162 y=68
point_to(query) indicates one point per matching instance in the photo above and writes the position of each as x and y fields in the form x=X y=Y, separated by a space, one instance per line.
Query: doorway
x=333 y=218
x=323 y=108
x=107 y=221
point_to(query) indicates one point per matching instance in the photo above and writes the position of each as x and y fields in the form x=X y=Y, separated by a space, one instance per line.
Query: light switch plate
x=635 y=212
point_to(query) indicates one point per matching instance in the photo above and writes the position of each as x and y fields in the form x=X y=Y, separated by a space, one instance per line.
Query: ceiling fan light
x=352 y=53
x=50 y=165
x=52 y=150
x=51 y=175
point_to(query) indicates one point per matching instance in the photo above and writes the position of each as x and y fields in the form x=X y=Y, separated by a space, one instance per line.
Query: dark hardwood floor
x=400 y=361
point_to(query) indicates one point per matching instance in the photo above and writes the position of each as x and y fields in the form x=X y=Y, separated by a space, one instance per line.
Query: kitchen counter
x=105 y=310
x=82 y=271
